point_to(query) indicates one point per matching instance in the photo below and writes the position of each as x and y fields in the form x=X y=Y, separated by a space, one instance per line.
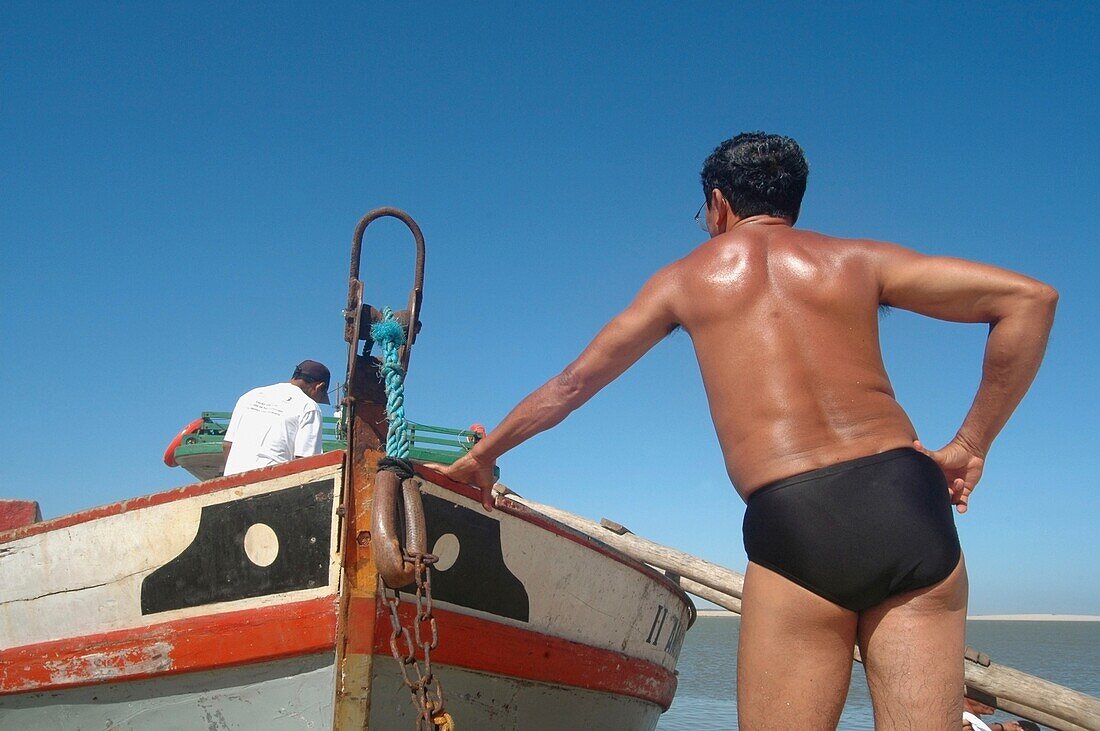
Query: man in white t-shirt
x=277 y=423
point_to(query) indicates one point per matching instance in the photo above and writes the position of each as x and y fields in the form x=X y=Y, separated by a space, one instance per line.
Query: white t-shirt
x=271 y=425
x=976 y=724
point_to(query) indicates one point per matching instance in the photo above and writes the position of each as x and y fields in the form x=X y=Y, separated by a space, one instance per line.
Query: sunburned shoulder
x=740 y=245
x=744 y=251
x=854 y=245
x=814 y=240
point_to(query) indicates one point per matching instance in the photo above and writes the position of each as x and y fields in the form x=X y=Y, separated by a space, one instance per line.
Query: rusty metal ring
x=416 y=294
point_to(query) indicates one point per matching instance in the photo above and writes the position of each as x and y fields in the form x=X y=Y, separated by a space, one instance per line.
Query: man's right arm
x=624 y=340
x=1019 y=311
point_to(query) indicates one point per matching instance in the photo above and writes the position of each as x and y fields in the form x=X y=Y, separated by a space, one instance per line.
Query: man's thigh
x=912 y=647
x=794 y=662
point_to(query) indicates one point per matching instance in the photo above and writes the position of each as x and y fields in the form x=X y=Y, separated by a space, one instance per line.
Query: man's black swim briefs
x=857 y=532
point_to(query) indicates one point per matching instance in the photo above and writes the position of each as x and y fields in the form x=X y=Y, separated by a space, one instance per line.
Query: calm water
x=1063 y=652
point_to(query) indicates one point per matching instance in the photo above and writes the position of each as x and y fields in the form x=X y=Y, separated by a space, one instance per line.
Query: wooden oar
x=1005 y=688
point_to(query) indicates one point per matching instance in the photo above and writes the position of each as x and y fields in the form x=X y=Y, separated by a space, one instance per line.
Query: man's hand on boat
x=473 y=471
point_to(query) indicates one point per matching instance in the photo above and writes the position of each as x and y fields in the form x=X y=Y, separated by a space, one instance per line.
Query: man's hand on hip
x=961 y=467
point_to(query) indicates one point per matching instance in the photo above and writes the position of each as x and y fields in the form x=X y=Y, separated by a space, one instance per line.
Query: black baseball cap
x=313 y=372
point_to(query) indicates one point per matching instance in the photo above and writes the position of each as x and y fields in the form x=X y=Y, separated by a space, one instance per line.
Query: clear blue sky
x=179 y=185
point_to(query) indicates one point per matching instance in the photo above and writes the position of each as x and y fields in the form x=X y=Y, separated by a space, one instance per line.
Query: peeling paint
x=97 y=666
x=240 y=697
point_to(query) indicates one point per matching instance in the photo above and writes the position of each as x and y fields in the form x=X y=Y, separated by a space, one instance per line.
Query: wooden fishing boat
x=261 y=600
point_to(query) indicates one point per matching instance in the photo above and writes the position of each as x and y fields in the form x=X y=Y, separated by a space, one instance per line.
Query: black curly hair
x=759 y=174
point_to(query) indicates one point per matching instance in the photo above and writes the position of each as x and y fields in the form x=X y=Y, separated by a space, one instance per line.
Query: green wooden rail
x=429 y=443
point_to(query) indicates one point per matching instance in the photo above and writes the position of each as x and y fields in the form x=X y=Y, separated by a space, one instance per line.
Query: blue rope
x=390 y=336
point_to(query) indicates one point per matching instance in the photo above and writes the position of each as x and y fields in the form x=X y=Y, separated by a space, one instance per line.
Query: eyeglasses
x=701 y=218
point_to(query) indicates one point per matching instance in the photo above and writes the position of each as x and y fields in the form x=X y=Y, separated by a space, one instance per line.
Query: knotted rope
x=390 y=336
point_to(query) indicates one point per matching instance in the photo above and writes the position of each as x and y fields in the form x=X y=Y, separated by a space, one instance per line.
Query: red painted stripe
x=184 y=645
x=180 y=493
x=487 y=647
x=525 y=513
x=268 y=633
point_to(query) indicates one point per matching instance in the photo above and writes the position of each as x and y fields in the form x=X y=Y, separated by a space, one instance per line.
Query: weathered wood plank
x=1058 y=703
x=1043 y=719
x=725 y=601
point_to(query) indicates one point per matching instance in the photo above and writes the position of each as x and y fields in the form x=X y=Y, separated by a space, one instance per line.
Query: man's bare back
x=860 y=547
x=785 y=328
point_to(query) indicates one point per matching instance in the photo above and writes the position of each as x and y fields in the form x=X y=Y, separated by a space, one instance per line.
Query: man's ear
x=715 y=199
x=723 y=213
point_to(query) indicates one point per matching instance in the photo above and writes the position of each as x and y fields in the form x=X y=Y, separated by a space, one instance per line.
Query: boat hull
x=296 y=693
x=224 y=604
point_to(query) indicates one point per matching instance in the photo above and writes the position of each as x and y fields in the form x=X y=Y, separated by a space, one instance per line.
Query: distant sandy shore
x=979 y=617
x=1036 y=617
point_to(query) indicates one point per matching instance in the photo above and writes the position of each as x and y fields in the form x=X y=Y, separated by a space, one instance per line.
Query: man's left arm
x=624 y=340
x=1020 y=313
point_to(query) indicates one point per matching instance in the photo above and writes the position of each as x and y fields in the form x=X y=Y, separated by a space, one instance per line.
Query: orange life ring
x=170 y=453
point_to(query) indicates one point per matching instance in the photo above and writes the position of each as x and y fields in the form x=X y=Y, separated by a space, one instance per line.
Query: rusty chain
x=426 y=690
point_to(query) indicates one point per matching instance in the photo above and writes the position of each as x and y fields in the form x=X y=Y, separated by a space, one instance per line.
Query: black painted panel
x=215 y=568
x=479 y=579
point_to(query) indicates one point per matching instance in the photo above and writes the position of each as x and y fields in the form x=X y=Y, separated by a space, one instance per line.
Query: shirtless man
x=848 y=529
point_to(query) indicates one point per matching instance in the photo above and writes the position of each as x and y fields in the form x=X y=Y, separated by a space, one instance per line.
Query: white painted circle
x=261 y=545
x=446 y=548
